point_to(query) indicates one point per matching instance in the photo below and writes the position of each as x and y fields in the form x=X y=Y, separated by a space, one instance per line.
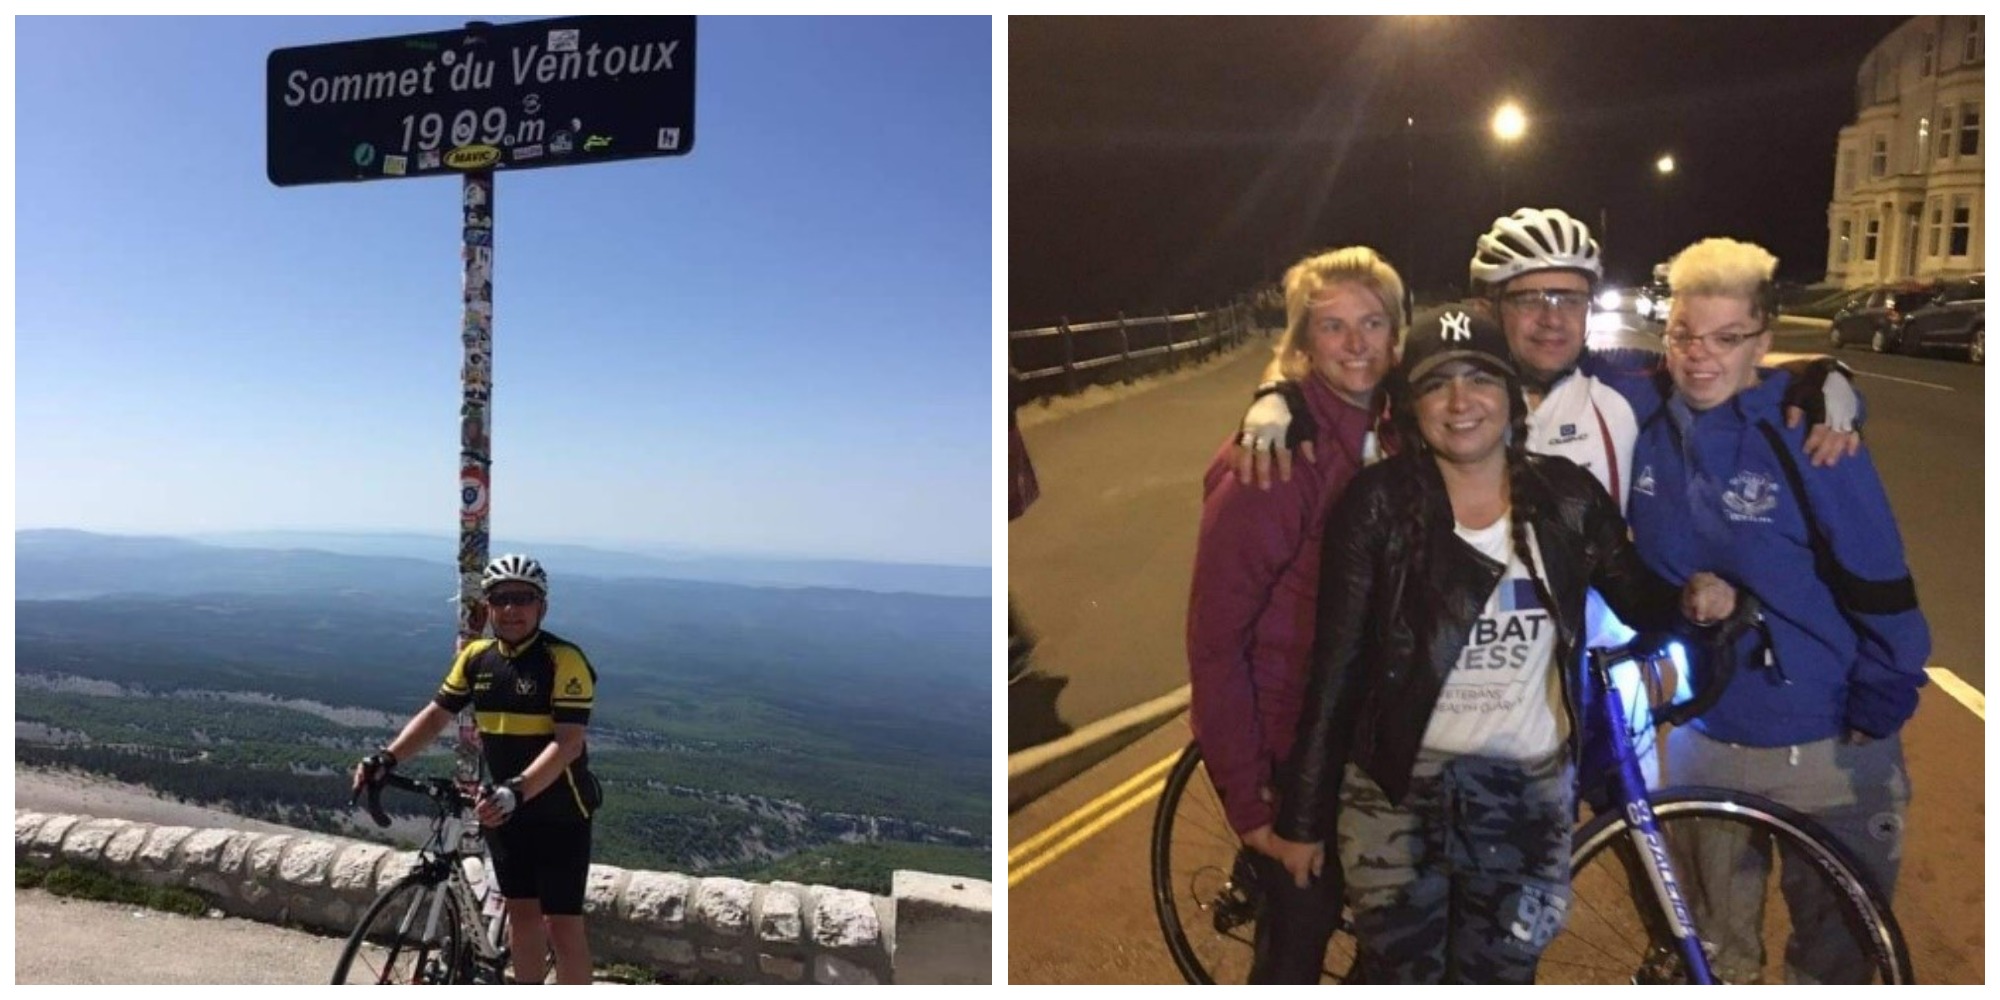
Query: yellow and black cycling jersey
x=518 y=695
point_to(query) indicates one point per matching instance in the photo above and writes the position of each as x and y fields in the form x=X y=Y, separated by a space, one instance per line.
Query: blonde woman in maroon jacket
x=1256 y=577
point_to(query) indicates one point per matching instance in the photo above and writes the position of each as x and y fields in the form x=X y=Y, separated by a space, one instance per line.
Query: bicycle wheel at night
x=389 y=946
x=1773 y=897
x=1204 y=889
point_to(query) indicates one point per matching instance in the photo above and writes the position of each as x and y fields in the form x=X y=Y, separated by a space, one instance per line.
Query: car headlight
x=1609 y=300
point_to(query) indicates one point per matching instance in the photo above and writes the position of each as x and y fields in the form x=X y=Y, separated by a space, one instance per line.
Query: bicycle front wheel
x=1205 y=891
x=411 y=935
x=1772 y=896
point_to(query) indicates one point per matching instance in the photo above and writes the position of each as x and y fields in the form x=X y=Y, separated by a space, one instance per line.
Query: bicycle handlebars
x=441 y=791
x=1718 y=641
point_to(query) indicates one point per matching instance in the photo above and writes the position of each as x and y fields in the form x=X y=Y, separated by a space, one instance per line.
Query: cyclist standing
x=531 y=693
x=1721 y=485
x=1249 y=622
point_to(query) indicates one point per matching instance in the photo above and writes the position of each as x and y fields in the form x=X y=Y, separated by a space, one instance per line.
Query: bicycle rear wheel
x=389 y=946
x=1204 y=890
x=1774 y=898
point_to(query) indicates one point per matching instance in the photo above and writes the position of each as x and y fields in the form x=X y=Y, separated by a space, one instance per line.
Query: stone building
x=1909 y=181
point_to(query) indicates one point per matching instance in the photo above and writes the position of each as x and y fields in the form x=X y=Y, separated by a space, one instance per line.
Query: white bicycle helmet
x=523 y=569
x=1535 y=239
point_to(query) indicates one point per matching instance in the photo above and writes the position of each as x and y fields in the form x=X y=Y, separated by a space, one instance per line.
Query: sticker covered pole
x=475 y=434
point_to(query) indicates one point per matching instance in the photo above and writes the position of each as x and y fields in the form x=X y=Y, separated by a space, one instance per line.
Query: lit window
x=1923 y=137
x=1846 y=249
x=1961 y=224
x=1968 y=130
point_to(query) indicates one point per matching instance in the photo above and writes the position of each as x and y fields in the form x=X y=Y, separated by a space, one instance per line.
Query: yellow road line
x=1034 y=844
x=1035 y=853
x=1015 y=875
x=1965 y=694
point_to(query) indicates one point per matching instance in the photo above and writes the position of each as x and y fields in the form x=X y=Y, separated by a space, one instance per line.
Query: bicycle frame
x=1631 y=795
x=455 y=839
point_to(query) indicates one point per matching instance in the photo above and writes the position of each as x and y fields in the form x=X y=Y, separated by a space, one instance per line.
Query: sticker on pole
x=545 y=93
x=473 y=493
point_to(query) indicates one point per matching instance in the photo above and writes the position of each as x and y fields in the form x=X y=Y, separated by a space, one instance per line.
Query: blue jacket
x=1709 y=494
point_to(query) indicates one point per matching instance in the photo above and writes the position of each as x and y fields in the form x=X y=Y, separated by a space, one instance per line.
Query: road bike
x=1647 y=872
x=443 y=923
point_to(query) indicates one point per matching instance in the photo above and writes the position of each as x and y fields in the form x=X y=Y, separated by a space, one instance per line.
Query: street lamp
x=1509 y=124
x=1665 y=167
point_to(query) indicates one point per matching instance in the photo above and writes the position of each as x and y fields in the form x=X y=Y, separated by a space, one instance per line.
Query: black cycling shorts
x=545 y=861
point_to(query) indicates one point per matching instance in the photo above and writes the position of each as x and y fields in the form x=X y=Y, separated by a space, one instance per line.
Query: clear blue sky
x=780 y=343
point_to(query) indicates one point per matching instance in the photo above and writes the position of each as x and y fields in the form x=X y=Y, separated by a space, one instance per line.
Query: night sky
x=1171 y=163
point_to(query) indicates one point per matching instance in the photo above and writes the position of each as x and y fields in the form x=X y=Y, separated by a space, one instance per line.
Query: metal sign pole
x=475 y=435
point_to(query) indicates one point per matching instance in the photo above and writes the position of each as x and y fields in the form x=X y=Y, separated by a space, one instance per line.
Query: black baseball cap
x=1454 y=333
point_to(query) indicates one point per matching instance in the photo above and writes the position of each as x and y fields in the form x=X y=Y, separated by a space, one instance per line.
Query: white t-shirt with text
x=1501 y=699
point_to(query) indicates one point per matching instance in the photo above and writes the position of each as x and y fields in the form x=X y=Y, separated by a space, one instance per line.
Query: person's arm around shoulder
x=1277 y=421
x=1821 y=394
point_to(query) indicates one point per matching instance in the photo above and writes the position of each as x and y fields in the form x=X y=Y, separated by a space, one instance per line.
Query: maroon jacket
x=1250 y=616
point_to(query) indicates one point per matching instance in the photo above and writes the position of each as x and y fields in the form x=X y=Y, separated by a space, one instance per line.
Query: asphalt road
x=1100 y=567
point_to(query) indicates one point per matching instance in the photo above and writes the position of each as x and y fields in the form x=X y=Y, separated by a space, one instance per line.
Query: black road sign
x=548 y=93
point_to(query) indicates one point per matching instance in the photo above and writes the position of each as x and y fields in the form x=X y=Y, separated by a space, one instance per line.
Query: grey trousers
x=1860 y=794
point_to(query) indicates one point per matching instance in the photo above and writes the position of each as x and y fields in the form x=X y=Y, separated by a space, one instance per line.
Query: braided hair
x=1521 y=502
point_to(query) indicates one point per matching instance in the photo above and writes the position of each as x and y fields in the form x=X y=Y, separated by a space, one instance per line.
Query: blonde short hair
x=1357 y=265
x=1727 y=267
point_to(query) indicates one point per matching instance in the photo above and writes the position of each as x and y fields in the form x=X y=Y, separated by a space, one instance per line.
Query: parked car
x=1654 y=301
x=1875 y=316
x=1955 y=319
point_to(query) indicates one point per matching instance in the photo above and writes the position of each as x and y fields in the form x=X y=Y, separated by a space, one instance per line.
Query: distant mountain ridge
x=64 y=564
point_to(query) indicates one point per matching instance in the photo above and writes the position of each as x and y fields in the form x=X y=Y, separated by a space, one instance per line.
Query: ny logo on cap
x=1457 y=326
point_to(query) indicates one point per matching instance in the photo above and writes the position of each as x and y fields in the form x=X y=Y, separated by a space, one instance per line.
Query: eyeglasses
x=1556 y=299
x=1681 y=340
x=514 y=599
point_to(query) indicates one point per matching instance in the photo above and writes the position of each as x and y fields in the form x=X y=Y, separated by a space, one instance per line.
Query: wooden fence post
x=1069 y=359
x=1124 y=350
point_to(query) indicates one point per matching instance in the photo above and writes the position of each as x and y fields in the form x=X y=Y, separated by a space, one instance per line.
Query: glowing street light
x=1509 y=124
x=1665 y=164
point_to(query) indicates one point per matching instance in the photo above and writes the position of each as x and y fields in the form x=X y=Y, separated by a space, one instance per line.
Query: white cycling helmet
x=523 y=569
x=1535 y=239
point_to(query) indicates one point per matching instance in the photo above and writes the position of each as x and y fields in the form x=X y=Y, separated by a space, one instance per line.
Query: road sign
x=549 y=93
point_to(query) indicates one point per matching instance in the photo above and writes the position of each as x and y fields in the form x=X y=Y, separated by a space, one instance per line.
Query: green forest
x=748 y=809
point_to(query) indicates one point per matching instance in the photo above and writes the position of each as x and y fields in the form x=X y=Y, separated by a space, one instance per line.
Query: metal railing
x=1069 y=357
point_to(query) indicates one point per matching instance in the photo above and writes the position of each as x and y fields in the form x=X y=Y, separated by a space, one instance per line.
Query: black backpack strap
x=1854 y=593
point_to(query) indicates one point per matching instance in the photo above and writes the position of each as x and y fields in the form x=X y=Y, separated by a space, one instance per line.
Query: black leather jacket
x=1381 y=655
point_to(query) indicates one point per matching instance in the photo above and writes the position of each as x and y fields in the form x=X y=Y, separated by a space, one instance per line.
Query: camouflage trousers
x=1467 y=880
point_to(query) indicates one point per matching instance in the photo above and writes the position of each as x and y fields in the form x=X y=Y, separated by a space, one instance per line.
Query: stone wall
x=930 y=929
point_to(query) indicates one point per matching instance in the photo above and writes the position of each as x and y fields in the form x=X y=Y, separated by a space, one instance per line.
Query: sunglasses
x=514 y=599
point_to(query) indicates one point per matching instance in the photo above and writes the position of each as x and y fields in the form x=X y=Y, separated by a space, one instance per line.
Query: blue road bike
x=1683 y=885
